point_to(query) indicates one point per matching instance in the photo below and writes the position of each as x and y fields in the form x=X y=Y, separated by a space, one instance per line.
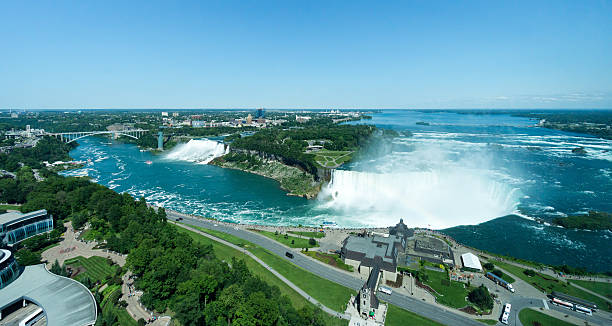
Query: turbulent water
x=484 y=177
x=198 y=151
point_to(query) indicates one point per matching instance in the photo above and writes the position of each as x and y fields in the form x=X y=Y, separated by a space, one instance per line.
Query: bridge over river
x=69 y=137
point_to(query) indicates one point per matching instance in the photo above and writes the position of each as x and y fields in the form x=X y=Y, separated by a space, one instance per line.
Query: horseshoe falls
x=481 y=179
x=430 y=199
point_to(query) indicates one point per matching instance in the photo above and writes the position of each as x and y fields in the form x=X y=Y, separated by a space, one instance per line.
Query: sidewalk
x=71 y=247
x=262 y=263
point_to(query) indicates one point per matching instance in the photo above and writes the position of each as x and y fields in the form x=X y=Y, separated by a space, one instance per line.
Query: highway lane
x=432 y=312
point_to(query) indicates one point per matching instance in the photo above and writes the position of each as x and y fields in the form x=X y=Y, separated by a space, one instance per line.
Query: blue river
x=482 y=179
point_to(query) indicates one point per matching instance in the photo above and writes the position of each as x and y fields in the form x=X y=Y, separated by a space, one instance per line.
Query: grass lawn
x=315 y=235
x=529 y=317
x=451 y=294
x=96 y=268
x=602 y=288
x=287 y=240
x=548 y=284
x=331 y=294
x=13 y=207
x=226 y=253
x=124 y=318
x=488 y=321
x=330 y=259
x=327 y=158
x=398 y=317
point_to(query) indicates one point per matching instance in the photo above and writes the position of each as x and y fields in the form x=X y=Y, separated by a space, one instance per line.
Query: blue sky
x=306 y=54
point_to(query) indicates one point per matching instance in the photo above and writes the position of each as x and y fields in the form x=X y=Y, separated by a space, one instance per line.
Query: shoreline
x=484 y=253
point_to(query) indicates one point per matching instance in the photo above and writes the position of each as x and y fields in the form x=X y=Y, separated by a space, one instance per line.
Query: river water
x=480 y=178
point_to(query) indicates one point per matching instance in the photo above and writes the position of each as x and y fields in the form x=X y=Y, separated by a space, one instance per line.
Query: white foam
x=198 y=150
x=433 y=199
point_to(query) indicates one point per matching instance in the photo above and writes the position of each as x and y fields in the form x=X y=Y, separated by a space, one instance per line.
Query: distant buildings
x=164 y=114
x=16 y=227
x=302 y=119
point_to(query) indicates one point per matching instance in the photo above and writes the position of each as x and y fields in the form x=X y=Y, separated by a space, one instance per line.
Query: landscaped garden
x=330 y=259
x=287 y=240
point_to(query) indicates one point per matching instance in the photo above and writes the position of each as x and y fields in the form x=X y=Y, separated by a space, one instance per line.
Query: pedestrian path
x=589 y=291
x=266 y=266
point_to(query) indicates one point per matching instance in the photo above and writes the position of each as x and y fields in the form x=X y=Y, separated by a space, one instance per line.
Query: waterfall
x=198 y=150
x=433 y=199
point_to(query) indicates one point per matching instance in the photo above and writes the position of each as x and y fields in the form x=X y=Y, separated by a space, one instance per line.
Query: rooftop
x=14 y=216
x=4 y=255
x=372 y=246
x=64 y=301
x=471 y=261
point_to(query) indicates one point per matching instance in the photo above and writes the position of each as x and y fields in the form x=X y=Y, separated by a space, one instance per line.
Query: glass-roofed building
x=15 y=226
x=9 y=270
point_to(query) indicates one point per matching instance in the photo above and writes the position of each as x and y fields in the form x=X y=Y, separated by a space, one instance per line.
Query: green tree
x=480 y=297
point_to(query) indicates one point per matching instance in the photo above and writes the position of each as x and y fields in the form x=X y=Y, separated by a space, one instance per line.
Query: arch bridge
x=69 y=137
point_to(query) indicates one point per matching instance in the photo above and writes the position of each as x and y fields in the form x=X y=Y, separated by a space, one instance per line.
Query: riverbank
x=293 y=180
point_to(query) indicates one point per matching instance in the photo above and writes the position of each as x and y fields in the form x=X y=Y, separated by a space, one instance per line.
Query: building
x=249 y=119
x=15 y=226
x=400 y=229
x=9 y=270
x=430 y=249
x=198 y=124
x=259 y=113
x=364 y=253
x=365 y=308
x=368 y=302
x=64 y=301
x=164 y=114
x=302 y=119
x=471 y=262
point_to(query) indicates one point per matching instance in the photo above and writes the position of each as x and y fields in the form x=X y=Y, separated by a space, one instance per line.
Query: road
x=432 y=312
x=437 y=313
x=277 y=274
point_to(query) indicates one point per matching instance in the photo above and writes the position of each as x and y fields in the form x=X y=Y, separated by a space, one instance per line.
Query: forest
x=289 y=144
x=176 y=274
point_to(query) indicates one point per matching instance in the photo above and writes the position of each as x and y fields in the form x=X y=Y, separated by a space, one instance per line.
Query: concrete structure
x=9 y=270
x=302 y=119
x=160 y=140
x=471 y=262
x=368 y=302
x=198 y=124
x=364 y=253
x=64 y=301
x=430 y=249
x=69 y=137
x=401 y=230
x=365 y=308
x=16 y=227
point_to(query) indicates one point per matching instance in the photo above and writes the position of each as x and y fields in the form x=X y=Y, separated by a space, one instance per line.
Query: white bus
x=32 y=318
x=385 y=290
x=506 y=313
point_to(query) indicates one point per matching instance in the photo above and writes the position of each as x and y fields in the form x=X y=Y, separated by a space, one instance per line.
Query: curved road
x=411 y=304
x=430 y=311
